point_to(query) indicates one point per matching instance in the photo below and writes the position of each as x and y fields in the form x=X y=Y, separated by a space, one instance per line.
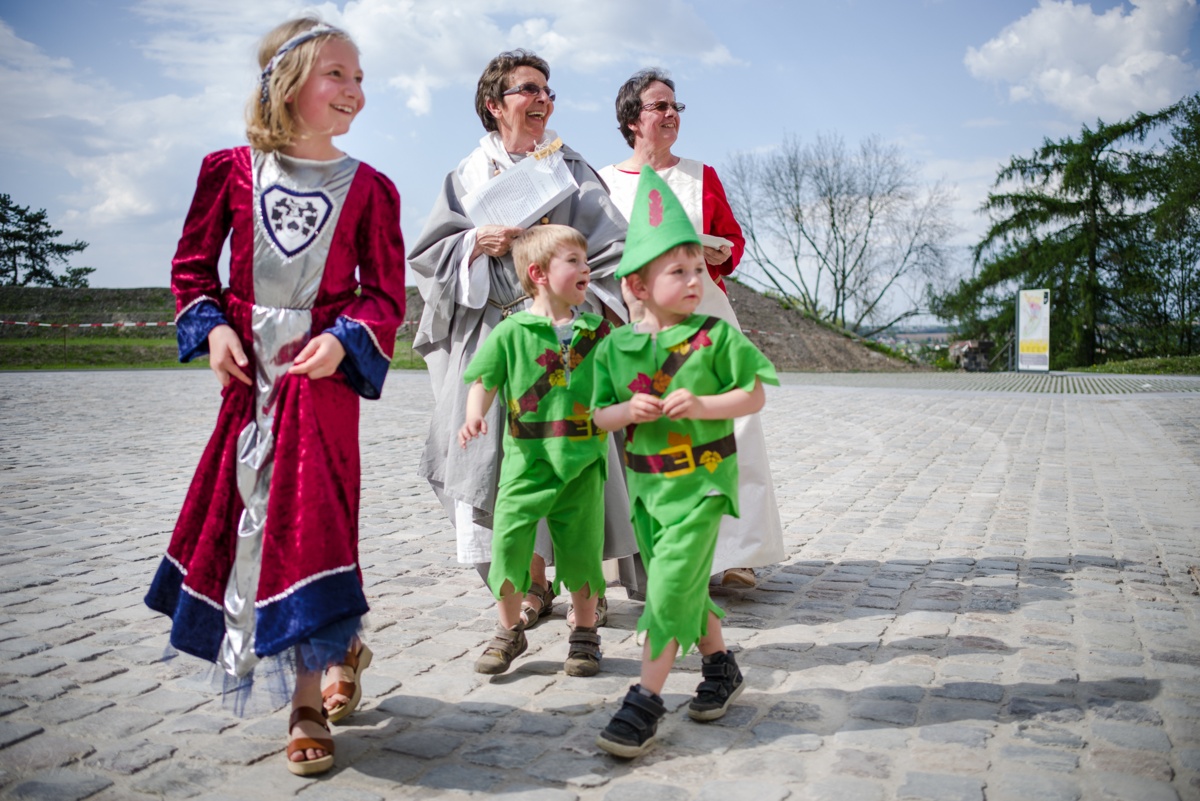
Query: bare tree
x=846 y=236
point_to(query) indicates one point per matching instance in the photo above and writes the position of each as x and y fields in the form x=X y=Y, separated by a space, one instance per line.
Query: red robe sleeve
x=719 y=221
x=194 y=276
x=367 y=325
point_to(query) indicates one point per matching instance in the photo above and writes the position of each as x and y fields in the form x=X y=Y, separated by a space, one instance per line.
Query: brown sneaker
x=583 y=655
x=501 y=650
x=739 y=577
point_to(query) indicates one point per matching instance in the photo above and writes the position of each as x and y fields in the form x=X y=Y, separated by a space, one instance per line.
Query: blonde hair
x=539 y=245
x=270 y=123
x=689 y=249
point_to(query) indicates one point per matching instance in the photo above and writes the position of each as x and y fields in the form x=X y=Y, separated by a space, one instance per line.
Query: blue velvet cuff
x=364 y=366
x=193 y=326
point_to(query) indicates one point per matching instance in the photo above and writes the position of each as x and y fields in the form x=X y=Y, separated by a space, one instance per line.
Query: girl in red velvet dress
x=261 y=576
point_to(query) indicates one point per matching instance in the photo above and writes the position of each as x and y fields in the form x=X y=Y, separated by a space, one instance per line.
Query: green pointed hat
x=657 y=224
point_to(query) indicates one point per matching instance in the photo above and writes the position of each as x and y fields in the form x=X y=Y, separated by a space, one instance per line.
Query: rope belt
x=681 y=460
x=507 y=308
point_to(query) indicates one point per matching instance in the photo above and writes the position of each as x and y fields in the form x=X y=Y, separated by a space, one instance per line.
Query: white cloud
x=1106 y=65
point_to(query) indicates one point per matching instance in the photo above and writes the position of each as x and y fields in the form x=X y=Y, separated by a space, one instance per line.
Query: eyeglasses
x=531 y=89
x=662 y=106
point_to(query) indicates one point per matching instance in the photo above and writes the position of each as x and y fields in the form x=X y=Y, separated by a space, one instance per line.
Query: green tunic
x=722 y=359
x=523 y=351
x=555 y=461
x=677 y=510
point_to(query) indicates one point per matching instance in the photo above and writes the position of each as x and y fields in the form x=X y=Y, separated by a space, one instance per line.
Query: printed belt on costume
x=683 y=458
x=577 y=427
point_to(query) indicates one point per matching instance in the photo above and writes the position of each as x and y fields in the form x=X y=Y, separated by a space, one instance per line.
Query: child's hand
x=319 y=358
x=681 y=404
x=471 y=429
x=645 y=408
x=226 y=356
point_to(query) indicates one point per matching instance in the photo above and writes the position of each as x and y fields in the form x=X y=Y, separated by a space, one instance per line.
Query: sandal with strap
x=583 y=654
x=531 y=614
x=631 y=731
x=351 y=685
x=601 y=613
x=309 y=767
x=501 y=650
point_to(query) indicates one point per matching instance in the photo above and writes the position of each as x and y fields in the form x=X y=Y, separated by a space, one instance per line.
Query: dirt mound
x=790 y=340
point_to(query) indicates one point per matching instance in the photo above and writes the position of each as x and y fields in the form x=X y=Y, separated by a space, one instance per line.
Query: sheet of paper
x=523 y=193
x=710 y=241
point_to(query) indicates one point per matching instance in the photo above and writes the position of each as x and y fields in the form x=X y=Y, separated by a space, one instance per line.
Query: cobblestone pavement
x=987 y=596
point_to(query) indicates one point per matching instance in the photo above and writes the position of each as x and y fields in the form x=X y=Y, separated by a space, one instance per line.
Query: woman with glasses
x=467 y=279
x=648 y=116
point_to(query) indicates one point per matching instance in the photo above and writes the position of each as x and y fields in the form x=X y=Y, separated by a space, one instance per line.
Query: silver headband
x=287 y=47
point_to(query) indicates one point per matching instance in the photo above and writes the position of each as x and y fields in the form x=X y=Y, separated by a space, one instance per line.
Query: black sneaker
x=721 y=686
x=631 y=731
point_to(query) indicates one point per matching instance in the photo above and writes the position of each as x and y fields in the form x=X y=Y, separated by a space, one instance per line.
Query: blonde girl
x=261 y=575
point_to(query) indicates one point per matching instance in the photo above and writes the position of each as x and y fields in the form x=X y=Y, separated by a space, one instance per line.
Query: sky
x=111 y=104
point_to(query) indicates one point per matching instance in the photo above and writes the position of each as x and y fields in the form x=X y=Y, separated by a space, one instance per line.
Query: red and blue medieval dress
x=264 y=555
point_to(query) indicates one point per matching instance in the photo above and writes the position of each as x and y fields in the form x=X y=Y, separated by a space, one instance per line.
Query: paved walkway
x=987 y=596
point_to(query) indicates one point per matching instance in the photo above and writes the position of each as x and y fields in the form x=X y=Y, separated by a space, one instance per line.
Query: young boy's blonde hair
x=270 y=124
x=538 y=245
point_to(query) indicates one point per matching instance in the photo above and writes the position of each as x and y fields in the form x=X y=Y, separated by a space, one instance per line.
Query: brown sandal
x=309 y=767
x=601 y=613
x=531 y=614
x=353 y=665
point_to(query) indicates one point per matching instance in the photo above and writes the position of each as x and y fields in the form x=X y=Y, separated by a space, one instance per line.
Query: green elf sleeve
x=489 y=362
x=741 y=362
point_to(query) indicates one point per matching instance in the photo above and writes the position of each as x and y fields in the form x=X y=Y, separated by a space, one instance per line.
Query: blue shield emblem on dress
x=293 y=220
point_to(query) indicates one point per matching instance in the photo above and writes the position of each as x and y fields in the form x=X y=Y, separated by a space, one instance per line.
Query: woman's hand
x=319 y=358
x=226 y=356
x=494 y=240
x=715 y=256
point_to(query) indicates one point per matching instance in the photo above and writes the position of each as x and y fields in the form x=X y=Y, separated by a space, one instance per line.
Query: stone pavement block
x=62 y=710
x=61 y=785
x=44 y=751
x=841 y=789
x=14 y=731
x=130 y=757
x=181 y=781
x=646 y=791
x=941 y=787
x=1120 y=787
x=742 y=791
x=1020 y=786
x=29 y=666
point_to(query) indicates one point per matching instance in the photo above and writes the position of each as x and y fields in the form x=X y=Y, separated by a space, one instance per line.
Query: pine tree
x=29 y=250
x=1075 y=222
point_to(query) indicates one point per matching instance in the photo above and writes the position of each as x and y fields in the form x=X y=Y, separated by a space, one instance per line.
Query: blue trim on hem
x=364 y=367
x=196 y=627
x=308 y=611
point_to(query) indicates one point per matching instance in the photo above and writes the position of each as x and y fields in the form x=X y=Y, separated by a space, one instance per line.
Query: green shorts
x=678 y=558
x=573 y=511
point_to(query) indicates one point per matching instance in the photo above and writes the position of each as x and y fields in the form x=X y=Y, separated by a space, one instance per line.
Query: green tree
x=1075 y=220
x=29 y=251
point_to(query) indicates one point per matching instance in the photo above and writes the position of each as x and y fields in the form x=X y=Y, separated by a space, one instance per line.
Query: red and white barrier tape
x=87 y=325
x=158 y=324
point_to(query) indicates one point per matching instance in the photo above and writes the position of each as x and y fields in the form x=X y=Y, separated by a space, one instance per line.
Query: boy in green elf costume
x=555 y=459
x=675 y=380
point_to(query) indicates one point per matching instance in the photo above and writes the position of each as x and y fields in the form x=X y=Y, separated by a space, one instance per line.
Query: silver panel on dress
x=285 y=289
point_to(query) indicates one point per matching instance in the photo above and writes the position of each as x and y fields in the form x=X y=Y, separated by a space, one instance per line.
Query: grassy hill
x=790 y=339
